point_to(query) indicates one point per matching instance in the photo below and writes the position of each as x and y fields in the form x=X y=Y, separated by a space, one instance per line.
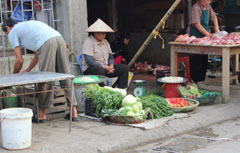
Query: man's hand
x=32 y=64
x=26 y=70
x=19 y=60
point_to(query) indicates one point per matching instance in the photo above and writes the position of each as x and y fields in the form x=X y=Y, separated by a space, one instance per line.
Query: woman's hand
x=110 y=69
x=202 y=30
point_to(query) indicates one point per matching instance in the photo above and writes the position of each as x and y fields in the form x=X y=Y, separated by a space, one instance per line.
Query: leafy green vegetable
x=122 y=91
x=103 y=98
x=130 y=113
x=140 y=106
x=111 y=112
x=158 y=105
x=136 y=108
x=129 y=100
x=190 y=91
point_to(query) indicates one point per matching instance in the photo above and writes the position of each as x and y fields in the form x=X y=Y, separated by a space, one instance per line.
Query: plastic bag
x=220 y=34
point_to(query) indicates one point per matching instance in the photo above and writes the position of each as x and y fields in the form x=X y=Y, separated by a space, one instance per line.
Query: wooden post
x=226 y=74
x=71 y=106
x=235 y=68
x=159 y=25
x=174 y=58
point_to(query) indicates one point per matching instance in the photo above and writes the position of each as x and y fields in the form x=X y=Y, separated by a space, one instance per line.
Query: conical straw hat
x=99 y=26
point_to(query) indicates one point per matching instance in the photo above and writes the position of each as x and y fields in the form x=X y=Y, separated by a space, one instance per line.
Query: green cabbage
x=130 y=113
x=140 y=106
x=129 y=100
x=135 y=108
x=125 y=109
x=143 y=112
x=128 y=108
x=122 y=91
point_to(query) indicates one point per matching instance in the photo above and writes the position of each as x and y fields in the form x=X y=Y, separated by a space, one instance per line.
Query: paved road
x=219 y=138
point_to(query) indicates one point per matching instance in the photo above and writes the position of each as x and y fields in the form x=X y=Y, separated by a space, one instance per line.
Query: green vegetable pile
x=103 y=98
x=192 y=91
x=158 y=105
x=131 y=107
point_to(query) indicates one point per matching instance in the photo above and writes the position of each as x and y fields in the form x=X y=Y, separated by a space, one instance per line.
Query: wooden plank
x=235 y=51
x=56 y=116
x=174 y=60
x=199 y=50
x=226 y=74
x=60 y=100
x=31 y=100
x=217 y=80
x=59 y=93
x=56 y=109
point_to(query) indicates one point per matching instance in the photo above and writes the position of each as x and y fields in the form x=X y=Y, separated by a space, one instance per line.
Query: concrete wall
x=75 y=23
x=5 y=64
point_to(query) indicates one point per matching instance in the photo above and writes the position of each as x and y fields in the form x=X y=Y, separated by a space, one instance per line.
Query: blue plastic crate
x=17 y=12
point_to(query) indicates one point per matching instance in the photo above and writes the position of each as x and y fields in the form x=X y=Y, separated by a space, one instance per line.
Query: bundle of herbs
x=158 y=105
x=103 y=98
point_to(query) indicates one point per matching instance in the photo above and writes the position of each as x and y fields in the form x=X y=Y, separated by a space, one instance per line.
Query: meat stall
x=226 y=51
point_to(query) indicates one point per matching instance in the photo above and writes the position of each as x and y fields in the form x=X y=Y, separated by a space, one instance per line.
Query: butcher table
x=226 y=51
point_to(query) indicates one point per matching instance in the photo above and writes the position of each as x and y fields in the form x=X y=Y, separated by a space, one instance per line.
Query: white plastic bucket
x=16 y=128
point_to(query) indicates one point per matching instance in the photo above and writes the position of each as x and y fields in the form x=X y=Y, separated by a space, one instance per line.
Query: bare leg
x=42 y=114
x=74 y=112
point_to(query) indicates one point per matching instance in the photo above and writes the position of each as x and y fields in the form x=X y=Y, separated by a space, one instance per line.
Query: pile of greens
x=192 y=91
x=158 y=105
x=103 y=98
x=130 y=107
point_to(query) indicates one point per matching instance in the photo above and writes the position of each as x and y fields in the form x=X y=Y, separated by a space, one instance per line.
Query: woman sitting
x=98 y=58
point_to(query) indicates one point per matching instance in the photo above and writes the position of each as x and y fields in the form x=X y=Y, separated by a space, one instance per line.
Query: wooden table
x=21 y=79
x=226 y=51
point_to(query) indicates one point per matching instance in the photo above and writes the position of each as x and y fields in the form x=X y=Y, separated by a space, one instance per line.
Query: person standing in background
x=120 y=49
x=202 y=13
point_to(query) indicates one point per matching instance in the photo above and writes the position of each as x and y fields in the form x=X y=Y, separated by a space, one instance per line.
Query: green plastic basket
x=203 y=100
x=89 y=79
x=10 y=102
